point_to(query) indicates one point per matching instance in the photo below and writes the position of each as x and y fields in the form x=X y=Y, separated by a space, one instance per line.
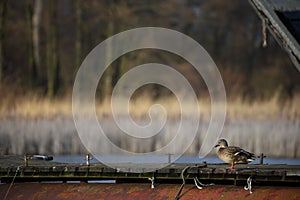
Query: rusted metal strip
x=130 y=191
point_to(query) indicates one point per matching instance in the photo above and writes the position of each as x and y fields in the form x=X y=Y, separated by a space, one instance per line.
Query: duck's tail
x=250 y=157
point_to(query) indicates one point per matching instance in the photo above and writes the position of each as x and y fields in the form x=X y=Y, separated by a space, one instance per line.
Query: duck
x=233 y=154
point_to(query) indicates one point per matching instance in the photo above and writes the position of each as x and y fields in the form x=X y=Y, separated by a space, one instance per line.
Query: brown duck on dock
x=232 y=154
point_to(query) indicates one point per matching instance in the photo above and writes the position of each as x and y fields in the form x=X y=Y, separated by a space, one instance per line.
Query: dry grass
x=35 y=107
x=271 y=108
x=37 y=125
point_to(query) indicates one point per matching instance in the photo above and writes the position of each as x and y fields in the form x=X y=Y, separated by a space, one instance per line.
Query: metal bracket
x=152 y=182
x=249 y=186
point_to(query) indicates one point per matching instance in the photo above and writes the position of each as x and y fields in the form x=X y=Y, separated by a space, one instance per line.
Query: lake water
x=163 y=159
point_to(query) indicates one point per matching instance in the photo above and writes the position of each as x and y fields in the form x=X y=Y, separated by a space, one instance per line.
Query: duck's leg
x=232 y=165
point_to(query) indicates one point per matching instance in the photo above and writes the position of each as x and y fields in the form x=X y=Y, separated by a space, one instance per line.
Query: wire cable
x=5 y=197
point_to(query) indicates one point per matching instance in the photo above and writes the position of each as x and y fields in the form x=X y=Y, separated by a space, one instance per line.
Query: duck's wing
x=242 y=153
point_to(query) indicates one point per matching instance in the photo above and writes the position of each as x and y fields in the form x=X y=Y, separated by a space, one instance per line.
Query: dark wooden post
x=169 y=158
x=26 y=160
x=262 y=156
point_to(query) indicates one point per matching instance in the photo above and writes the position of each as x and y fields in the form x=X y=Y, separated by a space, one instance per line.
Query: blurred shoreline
x=47 y=127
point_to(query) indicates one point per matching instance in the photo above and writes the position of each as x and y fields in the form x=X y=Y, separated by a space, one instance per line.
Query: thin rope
x=183 y=183
x=198 y=184
x=264 y=33
x=5 y=197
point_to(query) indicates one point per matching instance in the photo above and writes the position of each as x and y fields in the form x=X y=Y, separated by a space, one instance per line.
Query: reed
x=38 y=125
x=36 y=107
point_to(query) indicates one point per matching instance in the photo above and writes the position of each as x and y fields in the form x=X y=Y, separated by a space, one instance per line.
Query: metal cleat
x=249 y=186
x=152 y=182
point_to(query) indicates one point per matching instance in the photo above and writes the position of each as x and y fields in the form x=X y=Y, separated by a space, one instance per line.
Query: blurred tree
x=36 y=23
x=2 y=13
x=120 y=13
x=31 y=61
x=116 y=11
x=78 y=42
x=53 y=68
x=105 y=86
x=228 y=30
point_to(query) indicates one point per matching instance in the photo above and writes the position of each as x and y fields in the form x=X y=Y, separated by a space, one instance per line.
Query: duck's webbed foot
x=232 y=165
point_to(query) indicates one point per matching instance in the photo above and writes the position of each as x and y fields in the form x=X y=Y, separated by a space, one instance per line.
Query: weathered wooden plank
x=42 y=170
x=264 y=173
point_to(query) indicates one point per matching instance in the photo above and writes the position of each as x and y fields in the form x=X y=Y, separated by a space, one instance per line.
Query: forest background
x=43 y=43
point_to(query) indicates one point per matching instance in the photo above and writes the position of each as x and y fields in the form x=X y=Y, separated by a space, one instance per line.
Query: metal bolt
x=88 y=158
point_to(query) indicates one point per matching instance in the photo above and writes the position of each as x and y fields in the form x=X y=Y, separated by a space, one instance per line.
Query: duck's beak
x=217 y=145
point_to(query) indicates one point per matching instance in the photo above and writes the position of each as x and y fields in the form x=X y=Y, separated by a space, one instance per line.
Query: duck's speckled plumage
x=232 y=154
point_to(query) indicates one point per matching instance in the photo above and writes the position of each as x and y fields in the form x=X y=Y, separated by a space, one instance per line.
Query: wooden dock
x=39 y=171
x=176 y=181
